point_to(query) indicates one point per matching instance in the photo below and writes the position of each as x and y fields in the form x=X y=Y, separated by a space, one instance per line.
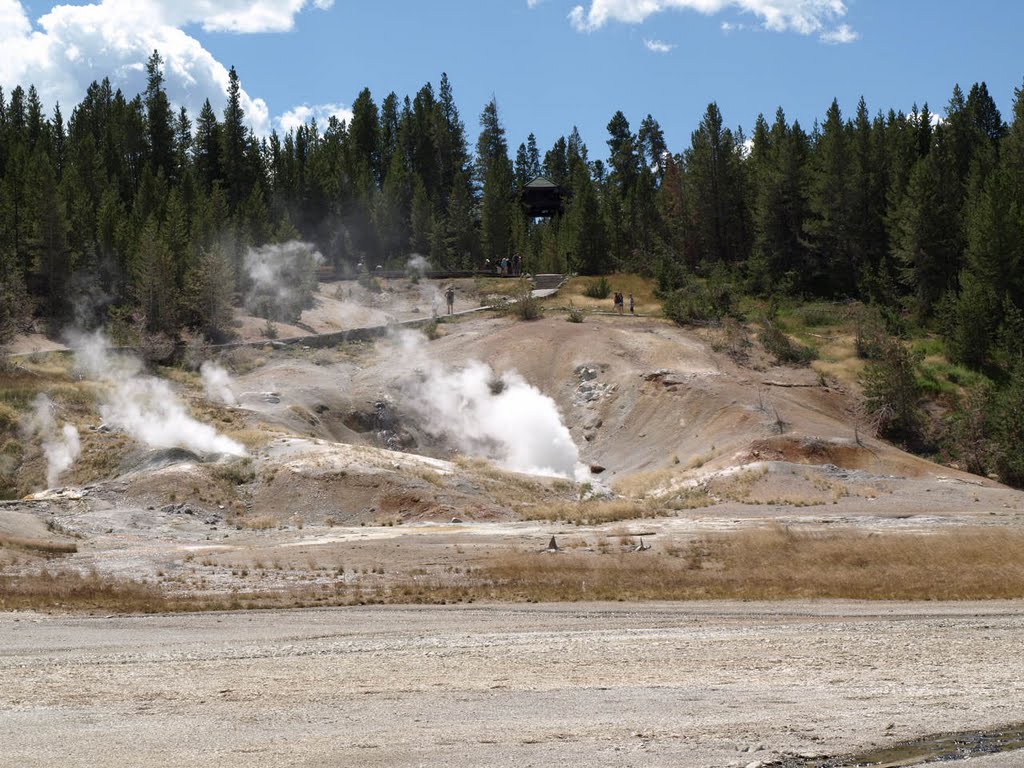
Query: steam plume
x=283 y=279
x=217 y=383
x=61 y=447
x=497 y=416
x=417 y=263
x=144 y=406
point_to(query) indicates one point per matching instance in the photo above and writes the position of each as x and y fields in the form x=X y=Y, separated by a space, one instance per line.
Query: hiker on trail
x=449 y=297
x=632 y=304
x=517 y=265
x=618 y=302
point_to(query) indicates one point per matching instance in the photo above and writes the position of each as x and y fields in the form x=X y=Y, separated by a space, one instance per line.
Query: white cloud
x=301 y=115
x=839 y=35
x=803 y=16
x=533 y=3
x=731 y=26
x=73 y=45
x=657 y=46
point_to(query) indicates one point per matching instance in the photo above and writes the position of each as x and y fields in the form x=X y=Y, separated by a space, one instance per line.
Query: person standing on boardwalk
x=618 y=302
x=632 y=304
x=449 y=297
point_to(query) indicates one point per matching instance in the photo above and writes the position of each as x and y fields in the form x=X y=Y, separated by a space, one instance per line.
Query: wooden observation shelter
x=542 y=198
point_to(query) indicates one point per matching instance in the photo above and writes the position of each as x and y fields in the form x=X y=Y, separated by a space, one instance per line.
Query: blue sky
x=550 y=66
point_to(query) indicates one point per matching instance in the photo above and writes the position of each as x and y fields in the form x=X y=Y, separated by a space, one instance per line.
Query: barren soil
x=696 y=684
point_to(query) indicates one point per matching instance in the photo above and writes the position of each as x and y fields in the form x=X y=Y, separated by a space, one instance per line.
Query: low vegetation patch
x=593 y=512
x=642 y=289
x=598 y=289
x=43 y=547
x=776 y=563
x=786 y=351
x=522 y=303
x=69 y=590
x=770 y=564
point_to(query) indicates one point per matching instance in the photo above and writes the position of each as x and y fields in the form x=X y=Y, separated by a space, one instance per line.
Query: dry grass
x=771 y=564
x=495 y=286
x=511 y=489
x=22 y=466
x=642 y=483
x=593 y=512
x=657 y=487
x=642 y=289
x=68 y=590
x=42 y=547
x=766 y=564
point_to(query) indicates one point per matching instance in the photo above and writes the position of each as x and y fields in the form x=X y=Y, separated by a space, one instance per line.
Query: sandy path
x=695 y=684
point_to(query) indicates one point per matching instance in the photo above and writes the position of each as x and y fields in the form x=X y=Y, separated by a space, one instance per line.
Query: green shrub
x=237 y=472
x=820 y=315
x=871 y=335
x=698 y=303
x=575 y=314
x=784 y=349
x=1006 y=417
x=522 y=303
x=598 y=289
x=370 y=283
x=892 y=391
x=672 y=275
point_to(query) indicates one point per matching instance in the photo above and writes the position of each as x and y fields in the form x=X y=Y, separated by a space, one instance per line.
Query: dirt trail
x=705 y=684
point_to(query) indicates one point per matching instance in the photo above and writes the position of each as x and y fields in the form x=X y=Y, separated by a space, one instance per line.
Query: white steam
x=60 y=447
x=417 y=263
x=144 y=406
x=496 y=416
x=282 y=279
x=217 y=383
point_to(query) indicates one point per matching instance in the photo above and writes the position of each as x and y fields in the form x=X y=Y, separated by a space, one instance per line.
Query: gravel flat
x=687 y=684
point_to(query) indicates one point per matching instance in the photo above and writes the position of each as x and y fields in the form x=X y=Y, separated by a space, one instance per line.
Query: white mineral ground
x=663 y=684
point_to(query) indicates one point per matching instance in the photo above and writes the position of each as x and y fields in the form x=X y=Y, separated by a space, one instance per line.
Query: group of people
x=620 y=303
x=511 y=267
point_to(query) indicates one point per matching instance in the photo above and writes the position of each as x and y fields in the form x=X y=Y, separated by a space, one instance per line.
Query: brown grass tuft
x=776 y=563
x=44 y=547
x=593 y=512
x=70 y=590
x=772 y=563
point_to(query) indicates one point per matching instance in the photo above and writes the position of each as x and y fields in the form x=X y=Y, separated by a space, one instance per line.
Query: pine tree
x=206 y=148
x=715 y=179
x=234 y=138
x=364 y=143
x=182 y=144
x=584 y=237
x=160 y=119
x=494 y=173
x=836 y=264
x=926 y=233
x=48 y=239
x=209 y=294
x=153 y=275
